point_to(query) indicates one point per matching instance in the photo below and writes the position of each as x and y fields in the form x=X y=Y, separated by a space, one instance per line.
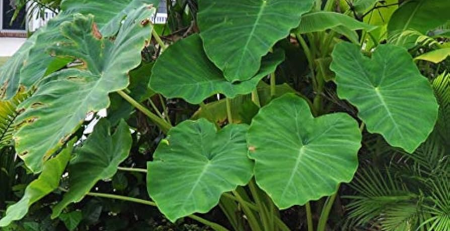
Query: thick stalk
x=155 y=108
x=263 y=215
x=255 y=97
x=165 y=110
x=273 y=84
x=252 y=221
x=158 y=40
x=326 y=212
x=250 y=205
x=132 y=169
x=162 y=124
x=309 y=217
x=211 y=224
x=229 y=113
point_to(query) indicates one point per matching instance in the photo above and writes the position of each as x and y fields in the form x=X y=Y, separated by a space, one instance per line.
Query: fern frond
x=440 y=207
x=8 y=114
x=377 y=192
x=400 y=217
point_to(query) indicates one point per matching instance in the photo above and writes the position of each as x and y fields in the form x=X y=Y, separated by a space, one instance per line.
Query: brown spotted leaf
x=62 y=101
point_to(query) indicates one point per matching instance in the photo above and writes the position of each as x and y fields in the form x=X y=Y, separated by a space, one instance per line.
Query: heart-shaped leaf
x=195 y=78
x=237 y=33
x=299 y=158
x=60 y=105
x=30 y=63
x=391 y=95
x=195 y=165
x=46 y=183
x=96 y=160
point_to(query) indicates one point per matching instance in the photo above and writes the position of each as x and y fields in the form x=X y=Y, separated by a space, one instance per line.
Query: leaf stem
x=273 y=84
x=158 y=39
x=211 y=224
x=326 y=212
x=250 y=205
x=125 y=169
x=255 y=97
x=229 y=114
x=254 y=224
x=162 y=124
x=262 y=212
x=156 y=109
x=165 y=109
x=309 y=217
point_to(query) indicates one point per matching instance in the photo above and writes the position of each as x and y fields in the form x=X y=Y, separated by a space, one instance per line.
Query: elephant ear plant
x=285 y=140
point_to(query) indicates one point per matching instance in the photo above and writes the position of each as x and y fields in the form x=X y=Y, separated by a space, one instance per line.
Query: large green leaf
x=195 y=78
x=238 y=33
x=195 y=165
x=30 y=64
x=96 y=160
x=391 y=95
x=299 y=158
x=418 y=15
x=46 y=183
x=322 y=20
x=60 y=105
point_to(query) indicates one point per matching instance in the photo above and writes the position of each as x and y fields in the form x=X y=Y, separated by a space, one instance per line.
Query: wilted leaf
x=62 y=102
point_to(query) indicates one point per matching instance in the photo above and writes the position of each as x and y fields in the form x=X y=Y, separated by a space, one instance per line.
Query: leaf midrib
x=251 y=35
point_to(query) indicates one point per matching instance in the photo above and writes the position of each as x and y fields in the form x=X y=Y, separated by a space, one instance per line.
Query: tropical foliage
x=234 y=115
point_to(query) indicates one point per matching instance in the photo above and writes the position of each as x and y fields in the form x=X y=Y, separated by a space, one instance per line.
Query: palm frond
x=377 y=193
x=441 y=86
x=440 y=207
x=8 y=114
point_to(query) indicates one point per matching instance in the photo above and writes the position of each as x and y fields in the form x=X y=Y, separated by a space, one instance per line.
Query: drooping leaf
x=418 y=15
x=98 y=159
x=299 y=158
x=323 y=20
x=46 y=183
x=30 y=63
x=238 y=33
x=10 y=71
x=60 y=104
x=195 y=165
x=391 y=95
x=71 y=220
x=435 y=56
x=195 y=78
